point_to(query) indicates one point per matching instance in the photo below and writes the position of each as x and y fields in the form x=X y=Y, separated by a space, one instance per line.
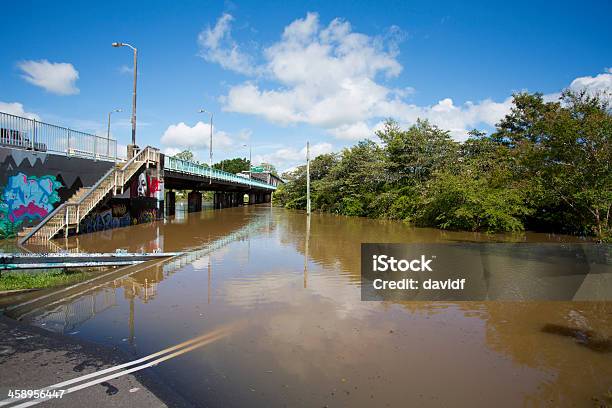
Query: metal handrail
x=91 y=191
x=205 y=171
x=41 y=224
x=22 y=132
x=101 y=180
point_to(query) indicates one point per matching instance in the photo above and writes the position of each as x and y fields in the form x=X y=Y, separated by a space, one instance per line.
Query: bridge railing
x=187 y=167
x=31 y=134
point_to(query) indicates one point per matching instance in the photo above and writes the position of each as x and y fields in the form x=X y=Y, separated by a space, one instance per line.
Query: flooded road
x=306 y=338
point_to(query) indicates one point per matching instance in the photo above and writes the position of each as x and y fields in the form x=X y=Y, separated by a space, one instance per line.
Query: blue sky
x=279 y=73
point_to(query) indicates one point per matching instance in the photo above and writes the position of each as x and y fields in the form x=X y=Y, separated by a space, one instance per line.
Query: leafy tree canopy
x=235 y=165
x=547 y=167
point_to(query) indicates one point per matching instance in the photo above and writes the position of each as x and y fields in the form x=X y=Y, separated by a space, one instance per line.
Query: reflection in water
x=309 y=340
x=306 y=252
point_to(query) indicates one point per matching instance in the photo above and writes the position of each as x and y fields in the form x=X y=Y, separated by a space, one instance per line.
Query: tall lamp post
x=119 y=44
x=108 y=130
x=210 y=143
x=250 y=162
x=250 y=146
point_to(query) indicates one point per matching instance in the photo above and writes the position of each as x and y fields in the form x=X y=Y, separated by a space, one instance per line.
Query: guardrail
x=31 y=134
x=187 y=167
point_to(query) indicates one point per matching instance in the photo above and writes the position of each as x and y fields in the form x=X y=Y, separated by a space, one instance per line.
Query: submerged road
x=32 y=358
x=307 y=339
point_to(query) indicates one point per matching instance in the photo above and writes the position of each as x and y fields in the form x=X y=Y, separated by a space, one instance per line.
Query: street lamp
x=108 y=129
x=210 y=144
x=250 y=162
x=118 y=44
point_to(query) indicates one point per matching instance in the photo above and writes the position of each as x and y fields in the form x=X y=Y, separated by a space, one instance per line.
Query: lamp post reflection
x=306 y=249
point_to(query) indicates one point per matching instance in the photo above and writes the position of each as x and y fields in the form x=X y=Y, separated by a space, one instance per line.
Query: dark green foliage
x=234 y=166
x=547 y=167
x=186 y=155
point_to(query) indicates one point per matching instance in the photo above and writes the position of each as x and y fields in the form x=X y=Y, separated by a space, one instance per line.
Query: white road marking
x=182 y=348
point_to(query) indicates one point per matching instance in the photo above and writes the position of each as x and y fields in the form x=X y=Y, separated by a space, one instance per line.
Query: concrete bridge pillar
x=170 y=203
x=194 y=201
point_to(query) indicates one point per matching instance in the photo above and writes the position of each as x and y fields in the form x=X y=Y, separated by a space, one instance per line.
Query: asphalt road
x=31 y=358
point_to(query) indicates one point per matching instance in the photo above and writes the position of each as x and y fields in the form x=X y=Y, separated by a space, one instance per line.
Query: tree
x=186 y=155
x=414 y=154
x=234 y=166
x=269 y=168
x=566 y=146
x=547 y=167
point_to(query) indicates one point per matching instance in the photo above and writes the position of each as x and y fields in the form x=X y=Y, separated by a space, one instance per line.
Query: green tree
x=413 y=155
x=269 y=168
x=234 y=166
x=565 y=146
x=546 y=167
x=186 y=155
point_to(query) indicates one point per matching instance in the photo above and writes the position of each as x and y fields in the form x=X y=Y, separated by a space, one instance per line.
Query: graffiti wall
x=121 y=212
x=32 y=184
x=27 y=198
x=147 y=184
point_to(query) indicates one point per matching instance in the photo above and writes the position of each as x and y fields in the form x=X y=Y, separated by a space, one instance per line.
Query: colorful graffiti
x=26 y=198
x=147 y=185
x=147 y=216
x=115 y=217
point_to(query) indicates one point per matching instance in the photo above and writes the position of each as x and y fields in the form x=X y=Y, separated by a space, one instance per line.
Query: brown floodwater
x=306 y=338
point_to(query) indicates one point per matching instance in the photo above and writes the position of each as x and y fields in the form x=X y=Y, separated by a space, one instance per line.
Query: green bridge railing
x=187 y=167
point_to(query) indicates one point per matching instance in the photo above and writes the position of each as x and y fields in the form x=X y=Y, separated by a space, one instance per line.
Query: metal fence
x=24 y=133
x=187 y=167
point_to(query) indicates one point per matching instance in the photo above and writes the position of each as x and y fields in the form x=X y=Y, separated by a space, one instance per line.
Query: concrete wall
x=32 y=184
x=120 y=212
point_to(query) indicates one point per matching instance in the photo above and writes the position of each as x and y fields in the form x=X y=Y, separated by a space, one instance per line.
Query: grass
x=23 y=280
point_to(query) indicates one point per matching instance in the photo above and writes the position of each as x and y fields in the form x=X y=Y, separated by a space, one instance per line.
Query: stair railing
x=98 y=193
x=72 y=211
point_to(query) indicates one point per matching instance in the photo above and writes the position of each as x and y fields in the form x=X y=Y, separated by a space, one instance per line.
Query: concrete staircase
x=69 y=214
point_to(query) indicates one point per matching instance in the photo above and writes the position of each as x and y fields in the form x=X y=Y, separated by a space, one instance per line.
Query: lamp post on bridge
x=116 y=45
x=108 y=131
x=250 y=146
x=210 y=154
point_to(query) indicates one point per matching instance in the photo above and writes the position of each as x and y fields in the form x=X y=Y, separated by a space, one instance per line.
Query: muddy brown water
x=306 y=337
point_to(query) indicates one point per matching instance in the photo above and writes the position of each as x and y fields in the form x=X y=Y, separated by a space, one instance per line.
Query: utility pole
x=210 y=150
x=308 y=178
x=210 y=145
x=250 y=162
x=135 y=50
x=108 y=132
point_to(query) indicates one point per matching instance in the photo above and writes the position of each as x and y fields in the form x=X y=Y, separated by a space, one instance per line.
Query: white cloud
x=124 y=69
x=171 y=151
x=217 y=45
x=184 y=136
x=16 y=108
x=601 y=84
x=458 y=119
x=289 y=157
x=55 y=77
x=353 y=131
x=331 y=77
x=334 y=78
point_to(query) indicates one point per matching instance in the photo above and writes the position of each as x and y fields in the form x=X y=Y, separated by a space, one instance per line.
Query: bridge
x=55 y=180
